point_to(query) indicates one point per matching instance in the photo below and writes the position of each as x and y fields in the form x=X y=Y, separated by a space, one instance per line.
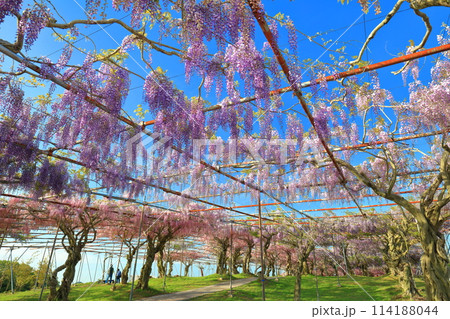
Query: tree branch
x=155 y=45
x=426 y=20
x=376 y=29
x=390 y=196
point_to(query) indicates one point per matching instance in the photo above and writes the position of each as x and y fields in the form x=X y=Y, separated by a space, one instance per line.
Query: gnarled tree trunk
x=221 y=268
x=186 y=269
x=74 y=241
x=394 y=252
x=422 y=4
x=170 y=270
x=289 y=267
x=62 y=293
x=247 y=258
x=428 y=217
x=147 y=267
x=160 y=265
x=155 y=245
x=302 y=258
x=222 y=256
x=236 y=258
x=298 y=284
x=434 y=263
x=129 y=259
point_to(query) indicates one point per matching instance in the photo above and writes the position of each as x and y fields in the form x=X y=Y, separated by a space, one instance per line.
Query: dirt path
x=189 y=294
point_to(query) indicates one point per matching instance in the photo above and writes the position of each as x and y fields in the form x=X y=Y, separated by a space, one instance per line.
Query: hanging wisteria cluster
x=73 y=121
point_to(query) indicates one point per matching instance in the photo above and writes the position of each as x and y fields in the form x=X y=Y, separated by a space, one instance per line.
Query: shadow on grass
x=356 y=289
x=360 y=289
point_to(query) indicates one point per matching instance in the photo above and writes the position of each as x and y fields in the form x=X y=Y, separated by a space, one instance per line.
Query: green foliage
x=140 y=112
x=40 y=272
x=114 y=55
x=23 y=276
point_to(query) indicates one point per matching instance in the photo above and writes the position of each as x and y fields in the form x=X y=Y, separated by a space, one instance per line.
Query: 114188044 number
x=380 y=310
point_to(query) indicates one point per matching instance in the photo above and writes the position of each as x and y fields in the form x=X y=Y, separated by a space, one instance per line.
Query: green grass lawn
x=380 y=288
x=122 y=292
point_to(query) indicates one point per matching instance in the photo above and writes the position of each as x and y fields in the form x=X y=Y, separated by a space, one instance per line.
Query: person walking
x=118 y=275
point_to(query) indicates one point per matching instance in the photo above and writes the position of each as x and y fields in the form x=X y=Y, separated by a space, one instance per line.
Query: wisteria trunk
x=147 y=267
x=246 y=262
x=306 y=268
x=62 y=293
x=236 y=256
x=298 y=287
x=434 y=264
x=160 y=265
x=364 y=269
x=222 y=263
x=289 y=267
x=186 y=270
x=222 y=258
x=298 y=274
x=298 y=283
x=268 y=268
x=336 y=271
x=169 y=272
x=348 y=269
x=126 y=269
x=407 y=282
x=401 y=269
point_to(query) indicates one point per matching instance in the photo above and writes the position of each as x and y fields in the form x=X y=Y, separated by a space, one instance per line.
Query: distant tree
x=299 y=238
x=247 y=237
x=123 y=225
x=24 y=276
x=77 y=221
x=41 y=273
x=160 y=227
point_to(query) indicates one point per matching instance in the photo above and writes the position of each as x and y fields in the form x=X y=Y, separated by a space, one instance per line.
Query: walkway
x=189 y=294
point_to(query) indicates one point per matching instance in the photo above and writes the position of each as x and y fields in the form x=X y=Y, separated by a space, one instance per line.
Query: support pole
x=137 y=253
x=12 y=272
x=231 y=258
x=39 y=270
x=261 y=248
x=49 y=263
x=87 y=265
x=103 y=267
x=96 y=265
